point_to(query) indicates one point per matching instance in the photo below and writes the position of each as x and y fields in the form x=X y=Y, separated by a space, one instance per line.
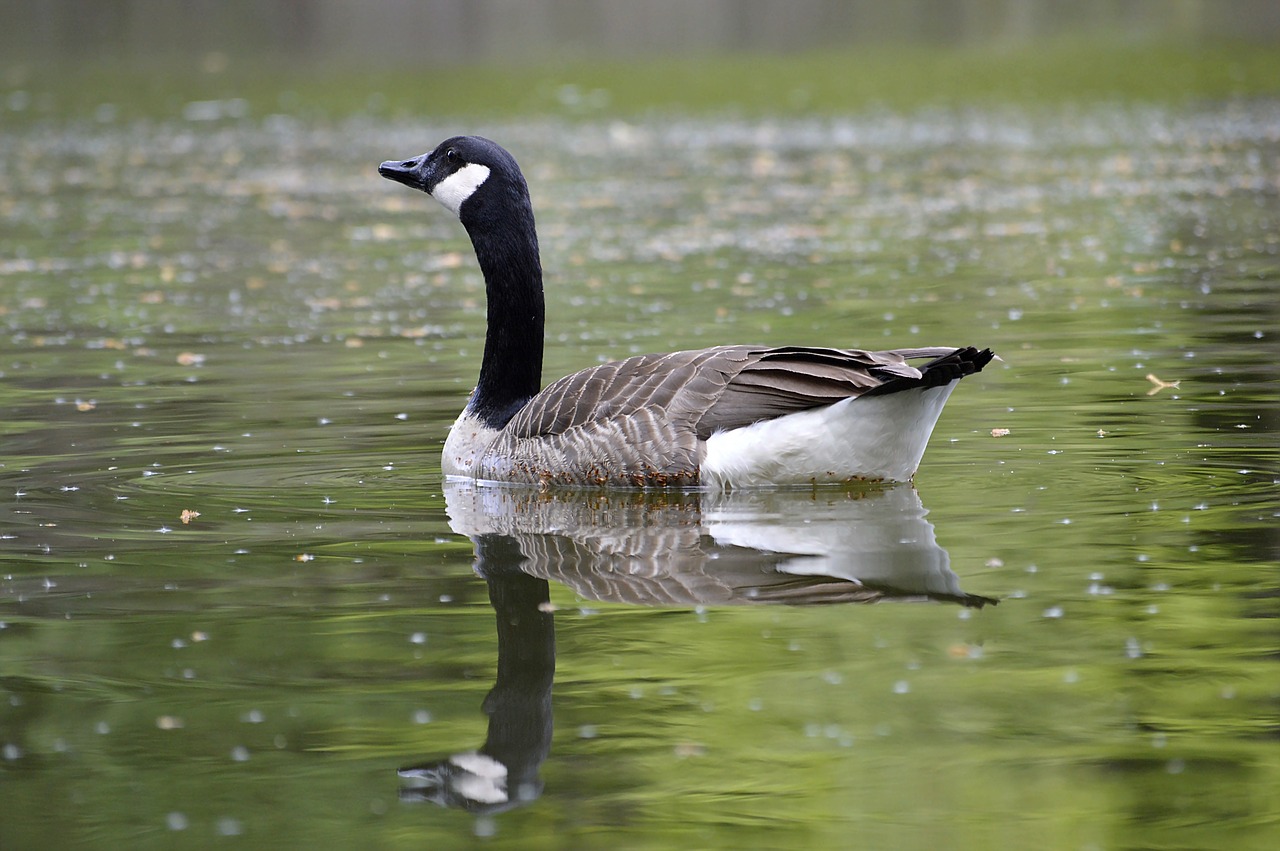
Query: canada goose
x=723 y=417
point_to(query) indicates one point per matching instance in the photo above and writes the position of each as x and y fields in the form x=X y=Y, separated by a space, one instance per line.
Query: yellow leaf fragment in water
x=965 y=651
x=188 y=515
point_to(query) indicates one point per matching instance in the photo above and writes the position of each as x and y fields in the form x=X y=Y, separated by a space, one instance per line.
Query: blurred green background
x=487 y=57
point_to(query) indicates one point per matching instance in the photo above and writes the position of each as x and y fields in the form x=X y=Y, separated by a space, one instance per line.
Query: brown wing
x=784 y=380
x=678 y=383
x=718 y=388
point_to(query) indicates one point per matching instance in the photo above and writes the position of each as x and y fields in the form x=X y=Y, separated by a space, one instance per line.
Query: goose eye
x=452 y=156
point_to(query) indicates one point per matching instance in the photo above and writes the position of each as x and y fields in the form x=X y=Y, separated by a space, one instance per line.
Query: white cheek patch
x=459 y=186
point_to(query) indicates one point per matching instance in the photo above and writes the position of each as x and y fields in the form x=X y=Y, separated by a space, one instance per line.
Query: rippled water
x=235 y=599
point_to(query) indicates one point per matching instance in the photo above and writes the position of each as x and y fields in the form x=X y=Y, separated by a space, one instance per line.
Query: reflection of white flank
x=881 y=538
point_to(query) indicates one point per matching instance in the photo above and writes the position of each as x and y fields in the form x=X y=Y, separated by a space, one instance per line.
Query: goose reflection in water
x=796 y=547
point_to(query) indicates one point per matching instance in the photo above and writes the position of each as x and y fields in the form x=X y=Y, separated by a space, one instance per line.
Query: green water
x=237 y=317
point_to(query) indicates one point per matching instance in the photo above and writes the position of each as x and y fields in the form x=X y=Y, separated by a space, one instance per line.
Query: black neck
x=507 y=247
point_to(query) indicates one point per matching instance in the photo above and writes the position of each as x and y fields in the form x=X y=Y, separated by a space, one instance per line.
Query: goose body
x=721 y=417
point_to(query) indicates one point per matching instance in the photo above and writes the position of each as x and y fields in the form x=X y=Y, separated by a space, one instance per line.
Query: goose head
x=469 y=175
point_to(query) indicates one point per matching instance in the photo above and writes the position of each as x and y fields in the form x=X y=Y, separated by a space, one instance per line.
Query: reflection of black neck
x=519 y=705
x=504 y=773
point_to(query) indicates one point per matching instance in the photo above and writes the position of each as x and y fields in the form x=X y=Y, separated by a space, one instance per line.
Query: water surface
x=235 y=598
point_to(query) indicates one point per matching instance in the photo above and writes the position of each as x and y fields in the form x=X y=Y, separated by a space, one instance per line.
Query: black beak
x=409 y=172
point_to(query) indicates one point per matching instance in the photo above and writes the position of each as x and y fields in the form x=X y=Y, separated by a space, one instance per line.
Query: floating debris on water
x=1160 y=384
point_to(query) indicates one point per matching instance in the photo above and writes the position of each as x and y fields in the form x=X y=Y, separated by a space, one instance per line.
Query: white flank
x=876 y=437
x=457 y=187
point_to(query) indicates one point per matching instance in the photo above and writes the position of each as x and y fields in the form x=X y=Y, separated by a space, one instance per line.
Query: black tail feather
x=939 y=371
